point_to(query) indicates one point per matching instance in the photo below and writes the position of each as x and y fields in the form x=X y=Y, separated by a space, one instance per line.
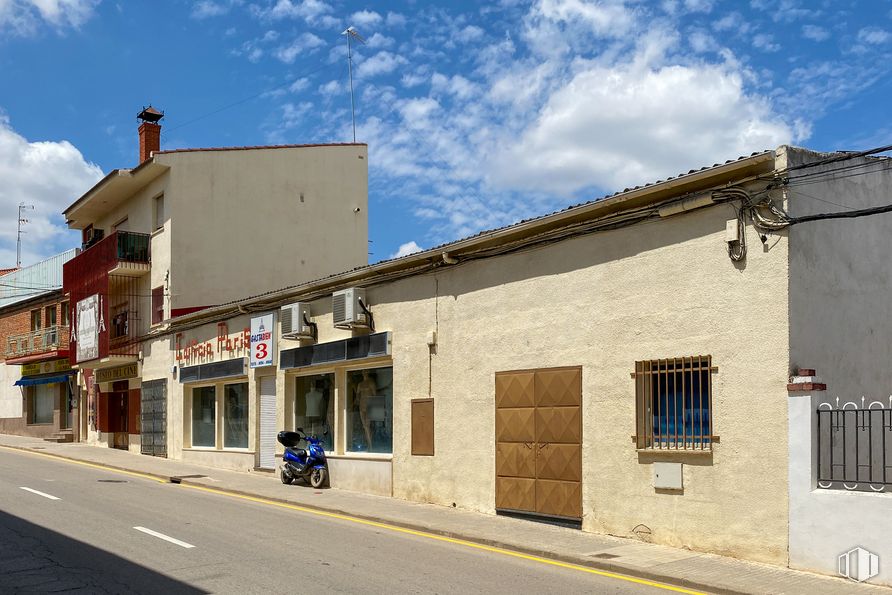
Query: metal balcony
x=49 y=340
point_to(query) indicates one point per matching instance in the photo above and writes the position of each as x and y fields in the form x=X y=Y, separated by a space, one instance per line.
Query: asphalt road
x=87 y=541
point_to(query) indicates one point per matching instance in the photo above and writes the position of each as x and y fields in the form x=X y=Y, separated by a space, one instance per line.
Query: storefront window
x=235 y=415
x=314 y=406
x=204 y=410
x=43 y=397
x=370 y=410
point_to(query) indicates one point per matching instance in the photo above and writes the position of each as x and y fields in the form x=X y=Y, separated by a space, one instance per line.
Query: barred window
x=674 y=403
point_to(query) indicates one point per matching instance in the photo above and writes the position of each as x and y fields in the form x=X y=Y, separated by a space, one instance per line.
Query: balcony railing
x=51 y=338
x=132 y=247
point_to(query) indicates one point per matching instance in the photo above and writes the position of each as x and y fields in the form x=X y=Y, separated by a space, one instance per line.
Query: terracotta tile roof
x=7 y=271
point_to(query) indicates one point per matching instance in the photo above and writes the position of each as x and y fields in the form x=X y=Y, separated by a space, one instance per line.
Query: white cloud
x=701 y=41
x=305 y=43
x=765 y=42
x=311 y=11
x=815 y=33
x=365 y=18
x=874 y=35
x=407 y=249
x=299 y=85
x=650 y=123
x=330 y=88
x=733 y=23
x=698 y=5
x=23 y=17
x=381 y=63
x=378 y=40
x=395 y=19
x=48 y=174
x=469 y=34
x=207 y=9
x=611 y=18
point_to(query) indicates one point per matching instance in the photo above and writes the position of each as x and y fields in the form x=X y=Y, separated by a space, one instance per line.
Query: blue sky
x=477 y=115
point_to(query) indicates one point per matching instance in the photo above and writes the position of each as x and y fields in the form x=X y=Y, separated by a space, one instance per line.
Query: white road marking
x=164 y=537
x=39 y=493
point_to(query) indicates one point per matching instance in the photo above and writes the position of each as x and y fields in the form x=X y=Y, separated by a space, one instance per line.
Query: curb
x=603 y=565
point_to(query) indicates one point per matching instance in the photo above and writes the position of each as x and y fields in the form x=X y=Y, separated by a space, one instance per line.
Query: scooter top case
x=289 y=439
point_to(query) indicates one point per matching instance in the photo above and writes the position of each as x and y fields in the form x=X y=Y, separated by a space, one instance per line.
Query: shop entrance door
x=268 y=422
x=539 y=442
x=117 y=414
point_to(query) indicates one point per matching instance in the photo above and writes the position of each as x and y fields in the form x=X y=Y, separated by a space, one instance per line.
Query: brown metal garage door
x=539 y=442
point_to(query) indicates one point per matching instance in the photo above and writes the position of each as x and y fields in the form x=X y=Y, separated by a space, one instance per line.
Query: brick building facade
x=36 y=389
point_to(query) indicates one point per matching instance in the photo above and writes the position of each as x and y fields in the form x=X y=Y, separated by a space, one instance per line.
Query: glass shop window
x=314 y=406
x=204 y=413
x=235 y=415
x=370 y=410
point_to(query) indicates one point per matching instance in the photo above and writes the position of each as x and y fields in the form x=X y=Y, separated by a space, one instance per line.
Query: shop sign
x=56 y=365
x=263 y=340
x=88 y=324
x=119 y=373
x=192 y=351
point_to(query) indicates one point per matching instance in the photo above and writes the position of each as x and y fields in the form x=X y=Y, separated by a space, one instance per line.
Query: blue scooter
x=308 y=464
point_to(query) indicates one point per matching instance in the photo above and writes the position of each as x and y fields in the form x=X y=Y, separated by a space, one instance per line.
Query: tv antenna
x=19 y=232
x=352 y=34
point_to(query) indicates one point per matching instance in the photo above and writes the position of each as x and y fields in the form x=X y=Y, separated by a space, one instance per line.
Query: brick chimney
x=149 y=132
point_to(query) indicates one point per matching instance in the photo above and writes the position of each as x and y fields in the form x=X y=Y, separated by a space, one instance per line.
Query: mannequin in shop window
x=364 y=391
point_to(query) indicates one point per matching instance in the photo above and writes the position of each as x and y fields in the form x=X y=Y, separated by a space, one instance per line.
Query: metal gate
x=153 y=418
x=268 y=422
x=539 y=442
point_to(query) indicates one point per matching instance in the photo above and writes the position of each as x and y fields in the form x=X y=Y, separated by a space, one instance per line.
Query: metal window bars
x=674 y=403
x=855 y=447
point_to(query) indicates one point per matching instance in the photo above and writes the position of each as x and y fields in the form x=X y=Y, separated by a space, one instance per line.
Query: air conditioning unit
x=346 y=309
x=294 y=317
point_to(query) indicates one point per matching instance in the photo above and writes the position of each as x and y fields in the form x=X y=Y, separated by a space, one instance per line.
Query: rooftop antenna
x=352 y=34
x=18 y=241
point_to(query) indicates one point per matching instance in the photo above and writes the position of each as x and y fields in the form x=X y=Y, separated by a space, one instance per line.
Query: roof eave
x=144 y=173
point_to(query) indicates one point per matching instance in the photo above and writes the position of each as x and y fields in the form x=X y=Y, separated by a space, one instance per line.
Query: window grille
x=855 y=447
x=674 y=403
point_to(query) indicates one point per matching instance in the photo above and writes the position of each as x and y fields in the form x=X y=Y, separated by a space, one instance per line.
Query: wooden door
x=539 y=442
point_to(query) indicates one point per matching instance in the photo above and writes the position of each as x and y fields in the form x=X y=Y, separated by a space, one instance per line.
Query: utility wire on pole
x=19 y=232
x=352 y=34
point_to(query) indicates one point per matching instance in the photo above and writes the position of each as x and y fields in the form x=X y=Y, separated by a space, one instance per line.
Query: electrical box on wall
x=732 y=231
x=668 y=476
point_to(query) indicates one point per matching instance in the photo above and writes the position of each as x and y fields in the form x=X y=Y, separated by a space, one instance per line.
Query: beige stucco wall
x=657 y=290
x=245 y=222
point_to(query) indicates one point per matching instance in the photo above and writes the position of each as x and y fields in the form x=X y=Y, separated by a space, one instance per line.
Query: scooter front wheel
x=318 y=477
x=286 y=477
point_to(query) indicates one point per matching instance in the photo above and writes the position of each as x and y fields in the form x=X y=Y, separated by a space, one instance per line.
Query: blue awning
x=41 y=380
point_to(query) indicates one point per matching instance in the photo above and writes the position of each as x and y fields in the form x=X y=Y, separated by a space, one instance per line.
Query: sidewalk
x=684 y=568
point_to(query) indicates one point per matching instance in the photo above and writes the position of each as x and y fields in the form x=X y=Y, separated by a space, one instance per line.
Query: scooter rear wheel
x=318 y=477
x=286 y=477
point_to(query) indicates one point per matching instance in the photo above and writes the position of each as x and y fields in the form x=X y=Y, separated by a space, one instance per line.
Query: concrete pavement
x=681 y=567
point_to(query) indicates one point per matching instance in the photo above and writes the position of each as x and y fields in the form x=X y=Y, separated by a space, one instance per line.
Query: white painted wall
x=827 y=523
x=10 y=396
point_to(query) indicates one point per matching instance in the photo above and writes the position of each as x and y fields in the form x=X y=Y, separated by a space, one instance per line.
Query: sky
x=477 y=115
